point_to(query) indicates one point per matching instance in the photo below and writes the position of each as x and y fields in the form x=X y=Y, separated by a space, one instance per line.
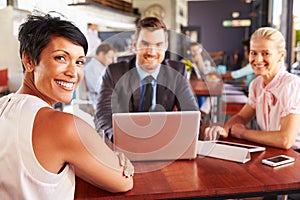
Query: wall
x=172 y=8
x=9 y=54
x=209 y=16
x=175 y=17
x=11 y=18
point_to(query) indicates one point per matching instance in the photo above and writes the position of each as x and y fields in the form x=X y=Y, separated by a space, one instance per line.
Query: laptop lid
x=149 y=136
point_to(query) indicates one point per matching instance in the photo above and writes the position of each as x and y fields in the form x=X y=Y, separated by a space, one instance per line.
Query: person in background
x=274 y=97
x=246 y=72
x=95 y=68
x=93 y=38
x=123 y=87
x=44 y=148
x=196 y=57
x=202 y=59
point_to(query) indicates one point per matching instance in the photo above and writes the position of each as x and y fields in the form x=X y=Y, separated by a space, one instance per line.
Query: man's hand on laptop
x=128 y=168
x=214 y=133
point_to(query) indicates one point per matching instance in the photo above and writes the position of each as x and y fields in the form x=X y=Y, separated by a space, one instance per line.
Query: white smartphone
x=278 y=160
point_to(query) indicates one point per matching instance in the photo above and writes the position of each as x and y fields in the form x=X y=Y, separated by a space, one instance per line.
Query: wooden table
x=207 y=178
x=209 y=89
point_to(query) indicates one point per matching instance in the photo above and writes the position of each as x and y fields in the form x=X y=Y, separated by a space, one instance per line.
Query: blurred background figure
x=196 y=57
x=196 y=50
x=96 y=67
x=245 y=74
x=202 y=60
x=93 y=39
x=204 y=68
x=296 y=66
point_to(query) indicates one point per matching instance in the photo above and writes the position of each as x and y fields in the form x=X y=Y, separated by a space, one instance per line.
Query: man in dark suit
x=124 y=87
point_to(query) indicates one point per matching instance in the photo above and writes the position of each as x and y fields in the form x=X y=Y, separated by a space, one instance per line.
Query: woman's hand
x=237 y=130
x=214 y=132
x=128 y=168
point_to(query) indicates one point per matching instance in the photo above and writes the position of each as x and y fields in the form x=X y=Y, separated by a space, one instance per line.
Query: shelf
x=117 y=6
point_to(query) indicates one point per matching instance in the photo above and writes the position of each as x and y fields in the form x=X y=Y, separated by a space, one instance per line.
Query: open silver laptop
x=150 y=136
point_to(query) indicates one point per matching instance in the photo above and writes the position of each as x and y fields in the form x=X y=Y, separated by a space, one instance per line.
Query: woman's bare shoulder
x=57 y=125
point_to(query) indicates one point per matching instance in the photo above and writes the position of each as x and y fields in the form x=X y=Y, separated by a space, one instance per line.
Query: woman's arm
x=245 y=115
x=283 y=138
x=94 y=161
x=61 y=138
x=242 y=118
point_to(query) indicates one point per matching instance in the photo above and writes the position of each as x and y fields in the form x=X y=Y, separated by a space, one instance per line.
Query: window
x=3 y=4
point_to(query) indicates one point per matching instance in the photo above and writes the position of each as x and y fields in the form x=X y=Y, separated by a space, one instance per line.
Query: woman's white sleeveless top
x=21 y=175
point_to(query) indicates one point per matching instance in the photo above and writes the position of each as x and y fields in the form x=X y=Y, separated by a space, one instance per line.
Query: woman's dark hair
x=37 y=31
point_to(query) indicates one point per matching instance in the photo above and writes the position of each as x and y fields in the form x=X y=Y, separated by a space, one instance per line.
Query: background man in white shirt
x=96 y=67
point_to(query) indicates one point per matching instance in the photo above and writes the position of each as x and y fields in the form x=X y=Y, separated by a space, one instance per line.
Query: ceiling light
x=235 y=14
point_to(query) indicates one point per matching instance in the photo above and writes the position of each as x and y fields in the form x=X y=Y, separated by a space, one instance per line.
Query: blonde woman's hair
x=271 y=34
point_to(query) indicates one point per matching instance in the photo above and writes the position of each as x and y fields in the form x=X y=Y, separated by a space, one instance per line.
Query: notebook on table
x=153 y=136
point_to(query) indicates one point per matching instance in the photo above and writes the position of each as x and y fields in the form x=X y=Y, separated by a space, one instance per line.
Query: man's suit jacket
x=120 y=91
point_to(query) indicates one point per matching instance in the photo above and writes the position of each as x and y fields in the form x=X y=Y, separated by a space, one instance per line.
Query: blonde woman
x=274 y=97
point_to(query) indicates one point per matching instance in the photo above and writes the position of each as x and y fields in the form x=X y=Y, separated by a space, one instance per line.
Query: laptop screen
x=157 y=135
